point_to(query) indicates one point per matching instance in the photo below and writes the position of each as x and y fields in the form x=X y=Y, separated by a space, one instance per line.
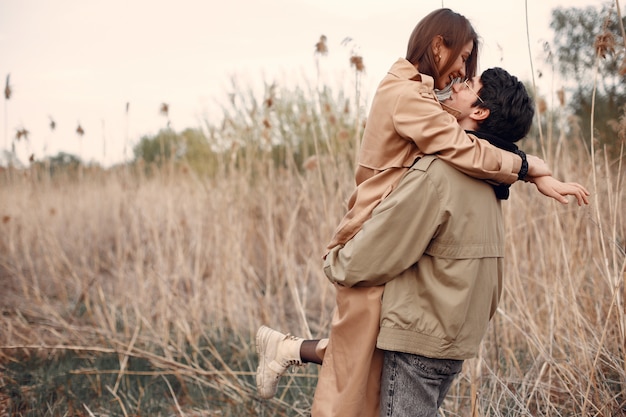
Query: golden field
x=137 y=290
x=177 y=271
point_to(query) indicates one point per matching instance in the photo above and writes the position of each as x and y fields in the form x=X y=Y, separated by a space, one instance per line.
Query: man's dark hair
x=511 y=110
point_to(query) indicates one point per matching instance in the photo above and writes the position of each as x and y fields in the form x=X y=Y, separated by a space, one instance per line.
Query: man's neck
x=468 y=124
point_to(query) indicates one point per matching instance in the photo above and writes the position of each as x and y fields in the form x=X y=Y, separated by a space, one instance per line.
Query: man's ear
x=479 y=114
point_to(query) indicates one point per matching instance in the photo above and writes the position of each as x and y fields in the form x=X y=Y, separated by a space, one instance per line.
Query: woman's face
x=457 y=70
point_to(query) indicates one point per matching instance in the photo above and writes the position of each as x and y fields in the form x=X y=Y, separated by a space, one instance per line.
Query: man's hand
x=551 y=187
x=537 y=167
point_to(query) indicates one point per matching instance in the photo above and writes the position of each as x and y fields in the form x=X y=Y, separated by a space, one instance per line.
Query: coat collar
x=405 y=70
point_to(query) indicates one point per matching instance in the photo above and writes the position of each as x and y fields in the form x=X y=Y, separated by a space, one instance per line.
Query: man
x=437 y=243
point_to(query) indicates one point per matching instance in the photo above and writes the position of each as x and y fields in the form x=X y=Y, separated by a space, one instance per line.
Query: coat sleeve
x=420 y=118
x=393 y=239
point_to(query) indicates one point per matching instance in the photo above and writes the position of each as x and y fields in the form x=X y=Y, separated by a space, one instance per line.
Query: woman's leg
x=313 y=351
x=349 y=381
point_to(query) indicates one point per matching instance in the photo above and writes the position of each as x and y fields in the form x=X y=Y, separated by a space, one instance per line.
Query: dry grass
x=180 y=271
x=173 y=269
x=116 y=282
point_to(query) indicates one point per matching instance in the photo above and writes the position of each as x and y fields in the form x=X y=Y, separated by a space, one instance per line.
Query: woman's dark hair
x=511 y=110
x=455 y=30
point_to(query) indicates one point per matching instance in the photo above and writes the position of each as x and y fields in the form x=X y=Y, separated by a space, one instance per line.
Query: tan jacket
x=406 y=121
x=437 y=243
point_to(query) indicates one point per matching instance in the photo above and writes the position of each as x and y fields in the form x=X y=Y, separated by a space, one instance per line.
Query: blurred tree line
x=190 y=146
x=287 y=126
x=589 y=48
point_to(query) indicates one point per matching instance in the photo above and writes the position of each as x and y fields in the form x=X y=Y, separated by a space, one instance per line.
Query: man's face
x=464 y=95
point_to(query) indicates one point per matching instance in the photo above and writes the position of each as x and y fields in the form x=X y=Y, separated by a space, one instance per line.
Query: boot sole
x=261 y=342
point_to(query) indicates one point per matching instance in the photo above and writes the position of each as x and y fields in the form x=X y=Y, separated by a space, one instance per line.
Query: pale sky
x=81 y=61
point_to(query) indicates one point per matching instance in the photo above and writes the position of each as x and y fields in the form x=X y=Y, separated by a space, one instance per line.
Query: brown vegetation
x=168 y=276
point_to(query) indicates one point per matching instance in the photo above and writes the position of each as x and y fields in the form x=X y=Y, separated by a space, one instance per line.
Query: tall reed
x=167 y=277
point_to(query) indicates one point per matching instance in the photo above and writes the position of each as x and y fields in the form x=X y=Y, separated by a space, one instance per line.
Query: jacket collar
x=405 y=70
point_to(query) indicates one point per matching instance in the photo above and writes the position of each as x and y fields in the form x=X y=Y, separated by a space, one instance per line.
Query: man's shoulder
x=445 y=175
x=424 y=163
x=435 y=166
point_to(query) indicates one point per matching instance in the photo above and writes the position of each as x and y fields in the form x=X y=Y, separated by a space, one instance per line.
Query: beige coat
x=437 y=242
x=406 y=121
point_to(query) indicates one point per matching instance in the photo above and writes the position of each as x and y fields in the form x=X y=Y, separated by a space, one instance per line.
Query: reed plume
x=164 y=109
x=321 y=47
x=7 y=88
x=8 y=91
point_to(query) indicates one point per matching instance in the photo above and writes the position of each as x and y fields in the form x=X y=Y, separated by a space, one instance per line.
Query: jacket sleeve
x=393 y=239
x=417 y=116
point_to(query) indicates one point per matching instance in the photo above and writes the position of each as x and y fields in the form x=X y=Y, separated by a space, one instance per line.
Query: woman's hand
x=537 y=167
x=551 y=187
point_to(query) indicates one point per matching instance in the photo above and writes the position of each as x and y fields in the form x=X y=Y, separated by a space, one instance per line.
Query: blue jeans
x=415 y=386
